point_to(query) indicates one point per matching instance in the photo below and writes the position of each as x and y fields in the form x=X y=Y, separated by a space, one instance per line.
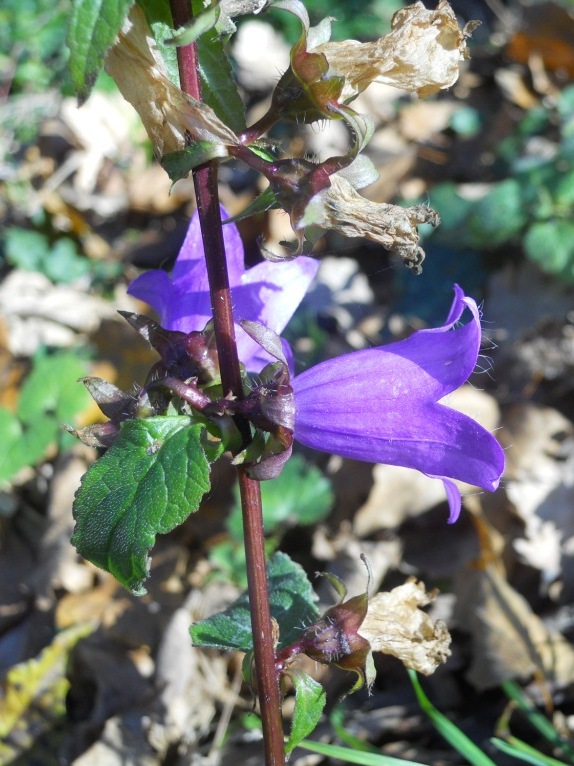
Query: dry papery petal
x=396 y=625
x=421 y=54
x=138 y=69
x=392 y=226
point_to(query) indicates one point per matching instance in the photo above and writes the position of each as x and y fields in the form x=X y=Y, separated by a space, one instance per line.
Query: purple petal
x=191 y=258
x=279 y=287
x=154 y=288
x=182 y=301
x=267 y=293
x=381 y=405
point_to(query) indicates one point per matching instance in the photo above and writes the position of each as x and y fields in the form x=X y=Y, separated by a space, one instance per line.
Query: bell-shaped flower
x=384 y=405
x=267 y=293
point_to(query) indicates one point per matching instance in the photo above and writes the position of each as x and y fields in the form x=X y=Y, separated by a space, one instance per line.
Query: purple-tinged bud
x=334 y=638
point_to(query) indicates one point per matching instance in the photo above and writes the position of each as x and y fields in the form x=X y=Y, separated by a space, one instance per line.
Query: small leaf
x=93 y=29
x=291 y=600
x=310 y=700
x=180 y=164
x=53 y=387
x=198 y=26
x=550 y=244
x=498 y=217
x=152 y=478
x=26 y=249
x=158 y=15
x=218 y=85
x=261 y=204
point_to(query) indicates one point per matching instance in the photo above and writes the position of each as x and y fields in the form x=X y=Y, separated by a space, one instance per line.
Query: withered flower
x=422 y=54
x=396 y=624
x=167 y=114
x=341 y=208
x=391 y=622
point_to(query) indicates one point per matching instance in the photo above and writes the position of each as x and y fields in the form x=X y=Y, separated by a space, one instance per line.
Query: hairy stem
x=205 y=182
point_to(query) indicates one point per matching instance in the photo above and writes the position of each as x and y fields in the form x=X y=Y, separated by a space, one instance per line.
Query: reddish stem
x=205 y=182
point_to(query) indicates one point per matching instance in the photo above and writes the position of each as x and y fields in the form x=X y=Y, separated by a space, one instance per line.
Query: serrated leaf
x=180 y=164
x=291 y=600
x=219 y=89
x=310 y=700
x=93 y=29
x=152 y=478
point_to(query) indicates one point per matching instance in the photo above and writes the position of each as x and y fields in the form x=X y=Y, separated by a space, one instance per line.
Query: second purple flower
x=267 y=293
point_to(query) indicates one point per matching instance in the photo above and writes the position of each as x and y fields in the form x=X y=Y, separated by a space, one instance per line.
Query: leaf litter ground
x=93 y=674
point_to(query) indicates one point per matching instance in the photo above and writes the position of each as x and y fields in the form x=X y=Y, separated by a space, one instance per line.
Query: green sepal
x=261 y=204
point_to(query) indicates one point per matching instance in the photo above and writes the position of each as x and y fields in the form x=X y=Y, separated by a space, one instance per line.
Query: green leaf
x=197 y=27
x=50 y=396
x=217 y=82
x=301 y=494
x=291 y=600
x=310 y=700
x=261 y=204
x=536 y=719
x=158 y=16
x=10 y=435
x=354 y=756
x=53 y=387
x=94 y=26
x=523 y=752
x=26 y=249
x=453 y=210
x=453 y=735
x=180 y=164
x=550 y=244
x=152 y=478
x=497 y=217
x=64 y=264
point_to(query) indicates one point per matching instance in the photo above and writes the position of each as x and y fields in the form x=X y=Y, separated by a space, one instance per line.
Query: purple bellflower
x=383 y=405
x=267 y=293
